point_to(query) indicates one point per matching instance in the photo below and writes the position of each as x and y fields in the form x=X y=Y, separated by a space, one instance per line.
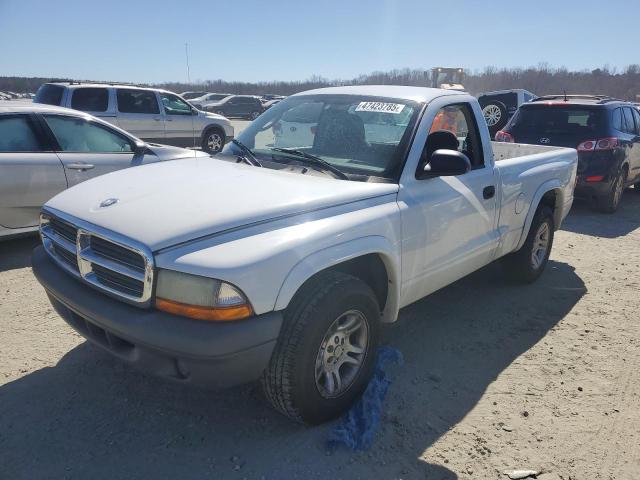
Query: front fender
x=336 y=254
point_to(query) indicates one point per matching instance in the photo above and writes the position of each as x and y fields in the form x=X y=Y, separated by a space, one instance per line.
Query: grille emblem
x=544 y=140
x=108 y=202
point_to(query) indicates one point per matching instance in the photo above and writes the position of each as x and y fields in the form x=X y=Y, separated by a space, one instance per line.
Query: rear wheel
x=254 y=115
x=213 y=140
x=325 y=353
x=610 y=202
x=528 y=263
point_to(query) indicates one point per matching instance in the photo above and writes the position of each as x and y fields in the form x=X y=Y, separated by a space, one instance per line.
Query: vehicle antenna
x=565 y=96
x=186 y=53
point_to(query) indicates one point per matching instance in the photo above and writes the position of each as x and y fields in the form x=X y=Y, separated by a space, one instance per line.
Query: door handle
x=488 y=192
x=80 y=166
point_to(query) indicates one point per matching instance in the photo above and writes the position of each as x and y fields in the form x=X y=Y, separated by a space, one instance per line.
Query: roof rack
x=600 y=98
x=84 y=82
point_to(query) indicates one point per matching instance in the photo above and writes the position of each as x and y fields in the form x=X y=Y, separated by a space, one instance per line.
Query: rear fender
x=553 y=185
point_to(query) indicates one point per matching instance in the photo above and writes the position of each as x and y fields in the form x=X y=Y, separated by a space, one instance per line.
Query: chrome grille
x=114 y=264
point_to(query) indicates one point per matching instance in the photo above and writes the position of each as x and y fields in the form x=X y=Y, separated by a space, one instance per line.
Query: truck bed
x=505 y=151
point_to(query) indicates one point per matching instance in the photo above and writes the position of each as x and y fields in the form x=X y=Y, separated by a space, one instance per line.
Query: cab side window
x=174 y=105
x=460 y=122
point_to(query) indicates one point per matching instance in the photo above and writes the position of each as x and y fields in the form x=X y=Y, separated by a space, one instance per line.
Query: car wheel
x=528 y=263
x=213 y=141
x=495 y=114
x=325 y=353
x=610 y=202
x=254 y=115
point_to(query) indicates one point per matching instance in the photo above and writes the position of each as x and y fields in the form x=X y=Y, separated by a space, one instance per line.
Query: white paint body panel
x=268 y=231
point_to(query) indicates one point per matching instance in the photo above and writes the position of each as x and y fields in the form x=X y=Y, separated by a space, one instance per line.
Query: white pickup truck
x=282 y=263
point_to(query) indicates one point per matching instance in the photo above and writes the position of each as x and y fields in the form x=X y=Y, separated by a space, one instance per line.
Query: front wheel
x=213 y=141
x=528 y=263
x=254 y=115
x=325 y=353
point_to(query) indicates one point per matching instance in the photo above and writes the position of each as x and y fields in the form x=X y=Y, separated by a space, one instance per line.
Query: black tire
x=254 y=115
x=495 y=114
x=610 y=202
x=213 y=140
x=520 y=266
x=289 y=382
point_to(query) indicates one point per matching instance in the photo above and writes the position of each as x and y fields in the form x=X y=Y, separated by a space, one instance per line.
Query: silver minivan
x=151 y=114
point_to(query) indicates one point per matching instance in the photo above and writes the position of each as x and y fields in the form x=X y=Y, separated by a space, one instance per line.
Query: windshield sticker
x=380 y=107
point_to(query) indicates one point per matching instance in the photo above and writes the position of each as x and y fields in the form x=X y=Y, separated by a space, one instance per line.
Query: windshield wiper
x=248 y=156
x=312 y=159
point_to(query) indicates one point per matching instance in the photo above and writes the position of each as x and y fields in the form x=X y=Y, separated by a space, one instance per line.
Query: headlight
x=199 y=297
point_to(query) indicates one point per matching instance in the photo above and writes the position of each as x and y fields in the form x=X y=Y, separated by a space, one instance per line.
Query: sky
x=252 y=40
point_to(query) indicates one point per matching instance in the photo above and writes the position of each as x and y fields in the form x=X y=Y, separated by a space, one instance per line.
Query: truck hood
x=163 y=204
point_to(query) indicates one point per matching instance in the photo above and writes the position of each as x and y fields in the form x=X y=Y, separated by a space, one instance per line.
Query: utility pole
x=186 y=53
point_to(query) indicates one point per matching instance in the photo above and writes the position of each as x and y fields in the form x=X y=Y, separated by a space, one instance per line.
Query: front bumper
x=190 y=351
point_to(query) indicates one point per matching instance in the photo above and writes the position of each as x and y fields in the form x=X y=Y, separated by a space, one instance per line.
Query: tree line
x=541 y=80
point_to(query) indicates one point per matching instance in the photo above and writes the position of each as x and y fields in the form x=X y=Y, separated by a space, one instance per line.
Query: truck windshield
x=360 y=135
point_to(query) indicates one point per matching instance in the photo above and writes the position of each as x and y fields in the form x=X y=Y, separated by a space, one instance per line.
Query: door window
x=460 y=121
x=49 y=94
x=636 y=115
x=174 y=105
x=90 y=99
x=630 y=123
x=18 y=135
x=618 y=120
x=78 y=135
x=137 y=101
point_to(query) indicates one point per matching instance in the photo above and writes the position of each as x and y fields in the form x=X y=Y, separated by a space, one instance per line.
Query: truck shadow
x=16 y=253
x=91 y=417
x=585 y=220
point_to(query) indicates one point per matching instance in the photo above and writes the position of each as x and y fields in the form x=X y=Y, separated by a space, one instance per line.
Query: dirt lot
x=496 y=377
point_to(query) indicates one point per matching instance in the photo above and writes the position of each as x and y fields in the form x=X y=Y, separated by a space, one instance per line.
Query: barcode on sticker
x=379 y=107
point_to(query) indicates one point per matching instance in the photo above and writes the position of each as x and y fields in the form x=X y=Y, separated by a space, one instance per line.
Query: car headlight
x=200 y=297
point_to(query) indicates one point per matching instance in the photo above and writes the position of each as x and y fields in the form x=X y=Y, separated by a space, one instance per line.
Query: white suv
x=151 y=114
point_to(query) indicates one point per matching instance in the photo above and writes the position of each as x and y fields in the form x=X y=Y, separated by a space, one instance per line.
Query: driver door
x=88 y=149
x=448 y=222
x=178 y=121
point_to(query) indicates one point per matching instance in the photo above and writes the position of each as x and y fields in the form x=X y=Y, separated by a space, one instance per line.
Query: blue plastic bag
x=358 y=427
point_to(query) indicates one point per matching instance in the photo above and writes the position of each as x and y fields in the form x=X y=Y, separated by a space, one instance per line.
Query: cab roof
x=417 y=94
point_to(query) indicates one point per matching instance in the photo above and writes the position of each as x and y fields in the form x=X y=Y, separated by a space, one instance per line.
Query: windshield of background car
x=554 y=120
x=49 y=94
x=357 y=134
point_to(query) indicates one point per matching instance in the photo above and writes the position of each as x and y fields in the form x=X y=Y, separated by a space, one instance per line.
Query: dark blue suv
x=605 y=131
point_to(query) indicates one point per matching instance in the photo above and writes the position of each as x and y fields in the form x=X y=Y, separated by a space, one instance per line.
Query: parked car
x=266 y=105
x=205 y=101
x=283 y=264
x=192 y=95
x=499 y=106
x=605 y=131
x=151 y=114
x=237 y=106
x=46 y=149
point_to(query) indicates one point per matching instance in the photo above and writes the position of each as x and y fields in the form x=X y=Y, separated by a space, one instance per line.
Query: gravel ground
x=496 y=377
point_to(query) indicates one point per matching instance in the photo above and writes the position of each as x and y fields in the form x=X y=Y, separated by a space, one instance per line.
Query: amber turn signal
x=215 y=314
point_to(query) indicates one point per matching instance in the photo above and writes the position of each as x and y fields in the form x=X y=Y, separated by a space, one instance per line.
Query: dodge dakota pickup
x=281 y=263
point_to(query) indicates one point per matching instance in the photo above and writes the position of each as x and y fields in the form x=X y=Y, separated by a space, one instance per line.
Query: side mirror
x=446 y=163
x=140 y=149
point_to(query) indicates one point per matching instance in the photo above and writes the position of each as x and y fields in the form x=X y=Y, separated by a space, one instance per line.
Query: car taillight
x=608 y=143
x=502 y=136
x=587 y=146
